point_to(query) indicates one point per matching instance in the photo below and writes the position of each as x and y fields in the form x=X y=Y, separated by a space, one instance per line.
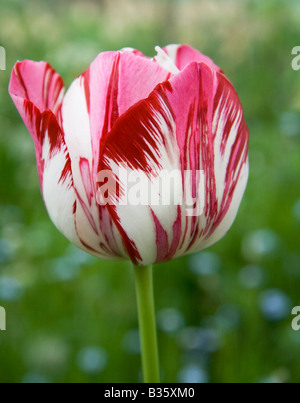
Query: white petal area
x=141 y=229
x=76 y=124
x=165 y=61
x=76 y=127
x=59 y=195
x=172 y=51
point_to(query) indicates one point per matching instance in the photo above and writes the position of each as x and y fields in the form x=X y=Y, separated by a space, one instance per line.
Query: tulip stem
x=146 y=312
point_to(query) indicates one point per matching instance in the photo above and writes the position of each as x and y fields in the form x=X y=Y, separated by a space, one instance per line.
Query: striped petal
x=93 y=223
x=190 y=124
x=114 y=82
x=36 y=84
x=37 y=92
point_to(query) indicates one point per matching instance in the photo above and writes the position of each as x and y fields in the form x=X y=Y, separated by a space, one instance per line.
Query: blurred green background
x=224 y=315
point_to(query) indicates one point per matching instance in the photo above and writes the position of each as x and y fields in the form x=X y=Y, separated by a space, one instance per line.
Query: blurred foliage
x=224 y=315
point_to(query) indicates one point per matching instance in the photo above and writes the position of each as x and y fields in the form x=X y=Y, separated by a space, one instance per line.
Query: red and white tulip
x=176 y=112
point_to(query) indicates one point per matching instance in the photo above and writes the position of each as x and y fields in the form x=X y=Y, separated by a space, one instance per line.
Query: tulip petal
x=37 y=92
x=114 y=82
x=93 y=223
x=37 y=84
x=182 y=55
x=193 y=122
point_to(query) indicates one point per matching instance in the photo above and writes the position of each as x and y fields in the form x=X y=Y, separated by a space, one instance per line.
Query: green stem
x=145 y=301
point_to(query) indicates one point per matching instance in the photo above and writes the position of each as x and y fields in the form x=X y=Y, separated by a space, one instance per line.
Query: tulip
x=128 y=113
x=174 y=112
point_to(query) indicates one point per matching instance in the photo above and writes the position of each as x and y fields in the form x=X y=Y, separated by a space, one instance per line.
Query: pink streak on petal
x=86 y=178
x=162 y=243
x=87 y=213
x=177 y=234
